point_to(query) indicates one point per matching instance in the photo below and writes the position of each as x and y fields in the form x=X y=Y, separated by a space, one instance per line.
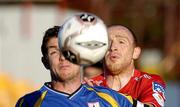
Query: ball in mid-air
x=83 y=39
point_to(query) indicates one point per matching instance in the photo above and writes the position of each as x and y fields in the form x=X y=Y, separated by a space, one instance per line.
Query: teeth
x=91 y=44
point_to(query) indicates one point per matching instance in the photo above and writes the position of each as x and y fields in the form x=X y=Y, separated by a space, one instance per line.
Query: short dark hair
x=136 y=41
x=50 y=33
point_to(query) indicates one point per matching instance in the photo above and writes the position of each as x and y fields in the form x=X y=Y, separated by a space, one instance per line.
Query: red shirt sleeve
x=153 y=91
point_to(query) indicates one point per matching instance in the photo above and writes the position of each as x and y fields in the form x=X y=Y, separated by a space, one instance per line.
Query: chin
x=114 y=71
x=114 y=68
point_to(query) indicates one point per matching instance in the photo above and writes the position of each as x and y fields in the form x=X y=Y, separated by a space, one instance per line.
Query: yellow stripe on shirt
x=106 y=97
x=128 y=97
x=40 y=100
x=21 y=102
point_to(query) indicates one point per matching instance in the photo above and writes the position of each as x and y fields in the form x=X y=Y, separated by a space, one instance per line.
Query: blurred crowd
x=11 y=89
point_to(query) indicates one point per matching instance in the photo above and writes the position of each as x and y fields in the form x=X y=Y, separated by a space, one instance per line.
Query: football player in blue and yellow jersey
x=65 y=88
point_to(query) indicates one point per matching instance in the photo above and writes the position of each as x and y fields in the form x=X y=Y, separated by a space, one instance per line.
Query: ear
x=137 y=52
x=45 y=62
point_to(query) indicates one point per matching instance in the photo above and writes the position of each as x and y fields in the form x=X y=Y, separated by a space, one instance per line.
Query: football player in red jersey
x=120 y=72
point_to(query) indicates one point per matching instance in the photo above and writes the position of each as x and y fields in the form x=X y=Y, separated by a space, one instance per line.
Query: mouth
x=63 y=66
x=113 y=57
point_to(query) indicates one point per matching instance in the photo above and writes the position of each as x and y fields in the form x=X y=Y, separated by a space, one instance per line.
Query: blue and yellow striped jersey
x=85 y=96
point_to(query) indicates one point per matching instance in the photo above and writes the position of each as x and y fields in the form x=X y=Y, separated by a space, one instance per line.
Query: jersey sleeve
x=153 y=92
x=28 y=100
x=21 y=103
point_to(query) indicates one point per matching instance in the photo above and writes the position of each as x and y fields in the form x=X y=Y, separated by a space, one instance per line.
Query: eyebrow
x=119 y=36
x=123 y=37
x=50 y=47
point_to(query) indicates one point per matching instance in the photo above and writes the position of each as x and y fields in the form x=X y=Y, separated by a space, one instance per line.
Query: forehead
x=120 y=32
x=53 y=42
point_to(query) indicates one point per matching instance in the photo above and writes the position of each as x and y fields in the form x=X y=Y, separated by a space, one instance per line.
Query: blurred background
x=23 y=22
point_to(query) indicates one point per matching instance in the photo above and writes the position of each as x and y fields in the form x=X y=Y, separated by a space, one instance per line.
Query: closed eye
x=54 y=52
x=121 y=42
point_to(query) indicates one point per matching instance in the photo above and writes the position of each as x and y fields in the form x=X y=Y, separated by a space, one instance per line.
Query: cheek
x=54 y=62
x=76 y=67
x=106 y=55
x=126 y=49
x=123 y=48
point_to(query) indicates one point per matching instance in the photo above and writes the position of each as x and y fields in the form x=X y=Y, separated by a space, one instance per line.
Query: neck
x=67 y=86
x=118 y=81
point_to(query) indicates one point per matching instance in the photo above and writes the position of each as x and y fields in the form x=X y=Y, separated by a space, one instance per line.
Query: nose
x=113 y=46
x=61 y=57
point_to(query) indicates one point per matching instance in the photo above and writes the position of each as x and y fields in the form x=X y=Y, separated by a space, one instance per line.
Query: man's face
x=120 y=55
x=60 y=68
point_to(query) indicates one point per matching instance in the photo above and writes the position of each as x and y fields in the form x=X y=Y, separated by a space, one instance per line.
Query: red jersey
x=144 y=87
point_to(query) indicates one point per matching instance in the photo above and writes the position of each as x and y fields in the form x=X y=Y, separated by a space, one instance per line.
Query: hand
x=88 y=81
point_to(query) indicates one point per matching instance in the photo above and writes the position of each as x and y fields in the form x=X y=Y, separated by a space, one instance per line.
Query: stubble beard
x=63 y=77
x=114 y=68
x=118 y=67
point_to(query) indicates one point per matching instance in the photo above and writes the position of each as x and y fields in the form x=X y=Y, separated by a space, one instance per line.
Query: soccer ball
x=83 y=39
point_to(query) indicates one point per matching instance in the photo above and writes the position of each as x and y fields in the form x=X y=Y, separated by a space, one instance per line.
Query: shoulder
x=102 y=89
x=28 y=98
x=148 y=78
x=98 y=88
x=152 y=88
x=111 y=95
